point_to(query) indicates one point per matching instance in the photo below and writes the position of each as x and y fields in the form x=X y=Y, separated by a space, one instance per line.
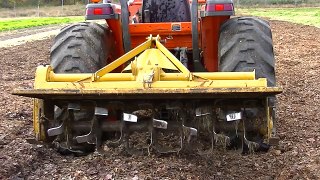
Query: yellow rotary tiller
x=155 y=96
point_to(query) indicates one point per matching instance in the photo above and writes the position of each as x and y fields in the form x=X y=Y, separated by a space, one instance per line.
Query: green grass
x=14 y=24
x=305 y=15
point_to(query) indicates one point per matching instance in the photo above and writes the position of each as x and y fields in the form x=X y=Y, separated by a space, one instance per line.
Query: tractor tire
x=245 y=44
x=81 y=48
x=167 y=10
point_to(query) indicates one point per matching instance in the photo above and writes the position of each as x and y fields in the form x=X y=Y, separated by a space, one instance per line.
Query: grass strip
x=14 y=24
x=301 y=15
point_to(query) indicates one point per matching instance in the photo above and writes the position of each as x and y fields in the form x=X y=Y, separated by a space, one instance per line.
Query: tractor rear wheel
x=245 y=44
x=81 y=48
x=78 y=48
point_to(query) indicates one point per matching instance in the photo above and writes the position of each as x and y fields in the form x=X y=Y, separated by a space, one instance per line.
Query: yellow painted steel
x=269 y=119
x=155 y=58
x=148 y=71
x=123 y=59
x=150 y=61
x=133 y=85
x=36 y=118
x=46 y=79
x=53 y=77
x=38 y=113
x=144 y=61
x=267 y=129
x=173 y=59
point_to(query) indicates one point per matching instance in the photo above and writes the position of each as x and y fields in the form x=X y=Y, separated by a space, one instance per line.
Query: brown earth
x=297 y=50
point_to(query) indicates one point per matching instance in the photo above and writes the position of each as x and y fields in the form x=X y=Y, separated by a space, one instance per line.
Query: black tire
x=81 y=48
x=245 y=44
x=167 y=10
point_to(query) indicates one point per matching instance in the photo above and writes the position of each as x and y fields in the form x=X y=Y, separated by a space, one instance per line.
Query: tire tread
x=245 y=44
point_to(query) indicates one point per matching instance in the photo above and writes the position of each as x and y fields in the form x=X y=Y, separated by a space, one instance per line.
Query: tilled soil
x=297 y=50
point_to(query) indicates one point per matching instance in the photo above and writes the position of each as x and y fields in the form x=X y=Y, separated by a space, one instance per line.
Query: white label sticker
x=130 y=117
x=234 y=116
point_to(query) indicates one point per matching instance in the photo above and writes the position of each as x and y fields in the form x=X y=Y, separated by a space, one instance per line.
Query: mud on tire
x=245 y=44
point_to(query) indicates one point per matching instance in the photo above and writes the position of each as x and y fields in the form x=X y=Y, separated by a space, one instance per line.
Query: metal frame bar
x=147 y=78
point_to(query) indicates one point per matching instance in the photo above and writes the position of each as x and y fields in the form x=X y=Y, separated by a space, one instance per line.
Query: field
x=43 y=11
x=303 y=15
x=298 y=157
x=27 y=17
x=14 y=24
x=297 y=51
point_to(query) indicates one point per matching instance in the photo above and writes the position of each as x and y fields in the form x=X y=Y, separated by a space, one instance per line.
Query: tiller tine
x=248 y=145
x=59 y=129
x=94 y=136
x=189 y=132
x=74 y=107
x=184 y=136
x=200 y=112
x=64 y=131
x=220 y=139
x=131 y=126
x=160 y=124
x=56 y=130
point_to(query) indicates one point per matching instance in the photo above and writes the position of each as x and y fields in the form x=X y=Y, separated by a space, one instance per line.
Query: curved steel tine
x=58 y=112
x=56 y=130
x=74 y=106
x=120 y=140
x=71 y=108
x=117 y=142
x=151 y=143
x=161 y=124
x=252 y=146
x=188 y=132
x=94 y=136
x=165 y=150
x=96 y=128
x=90 y=137
x=157 y=124
x=221 y=139
x=101 y=111
x=85 y=138
x=59 y=129
x=147 y=147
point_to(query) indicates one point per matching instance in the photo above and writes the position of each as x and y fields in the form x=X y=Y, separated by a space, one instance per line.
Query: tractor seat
x=154 y=11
